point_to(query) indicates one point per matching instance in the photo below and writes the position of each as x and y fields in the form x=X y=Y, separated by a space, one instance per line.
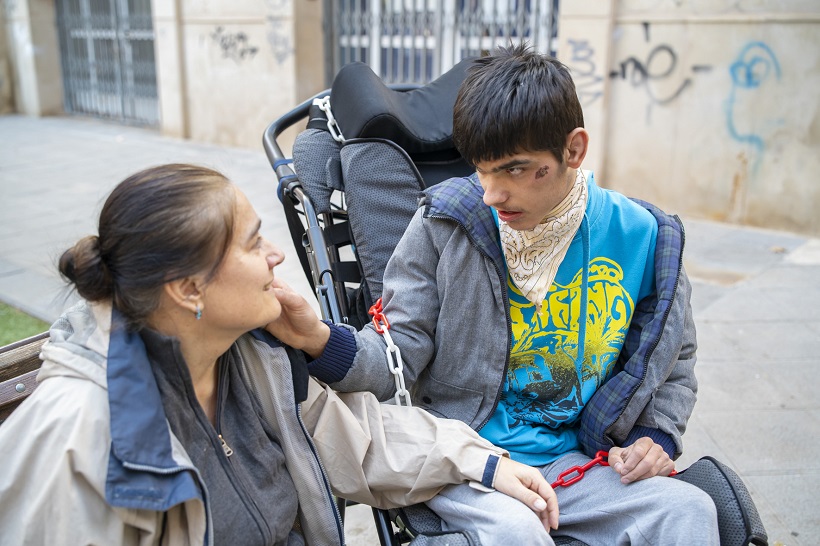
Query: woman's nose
x=275 y=256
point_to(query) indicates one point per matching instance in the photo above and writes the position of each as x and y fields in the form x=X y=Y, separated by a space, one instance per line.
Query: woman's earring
x=198 y=312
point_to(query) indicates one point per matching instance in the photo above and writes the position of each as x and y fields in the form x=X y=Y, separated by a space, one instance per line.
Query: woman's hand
x=526 y=484
x=298 y=325
x=643 y=459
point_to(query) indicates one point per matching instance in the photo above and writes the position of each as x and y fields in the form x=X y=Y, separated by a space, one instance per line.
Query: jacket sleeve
x=665 y=417
x=54 y=449
x=411 y=304
x=388 y=456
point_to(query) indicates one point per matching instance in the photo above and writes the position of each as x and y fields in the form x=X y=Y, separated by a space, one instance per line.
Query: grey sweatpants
x=599 y=509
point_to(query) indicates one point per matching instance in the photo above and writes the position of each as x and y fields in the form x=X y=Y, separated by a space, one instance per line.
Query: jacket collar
x=298 y=363
x=461 y=200
x=144 y=472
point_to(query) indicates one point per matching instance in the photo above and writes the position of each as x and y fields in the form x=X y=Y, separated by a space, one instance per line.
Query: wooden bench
x=19 y=364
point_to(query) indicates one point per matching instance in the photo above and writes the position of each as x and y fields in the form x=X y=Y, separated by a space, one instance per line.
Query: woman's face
x=239 y=298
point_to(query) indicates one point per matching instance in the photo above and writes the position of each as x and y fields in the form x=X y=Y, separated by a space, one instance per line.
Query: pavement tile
x=753 y=340
x=698 y=443
x=705 y=294
x=742 y=250
x=764 y=298
x=761 y=441
x=40 y=295
x=789 y=275
x=727 y=385
x=8 y=267
x=795 y=522
x=806 y=254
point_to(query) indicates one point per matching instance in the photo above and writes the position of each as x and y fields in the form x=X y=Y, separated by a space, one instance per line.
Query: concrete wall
x=6 y=83
x=708 y=108
x=310 y=49
x=225 y=69
x=33 y=57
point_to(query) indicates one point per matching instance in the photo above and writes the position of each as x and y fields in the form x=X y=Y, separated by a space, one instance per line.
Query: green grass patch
x=16 y=325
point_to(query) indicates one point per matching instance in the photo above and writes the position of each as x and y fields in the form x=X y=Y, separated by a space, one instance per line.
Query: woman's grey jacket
x=445 y=296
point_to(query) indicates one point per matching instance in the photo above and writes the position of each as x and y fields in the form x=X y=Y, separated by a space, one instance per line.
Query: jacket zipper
x=225 y=447
x=239 y=485
x=309 y=440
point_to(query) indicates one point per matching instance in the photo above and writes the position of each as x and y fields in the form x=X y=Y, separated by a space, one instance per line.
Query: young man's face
x=524 y=187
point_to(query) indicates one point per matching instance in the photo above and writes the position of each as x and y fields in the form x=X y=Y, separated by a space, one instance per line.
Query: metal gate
x=107 y=54
x=415 y=41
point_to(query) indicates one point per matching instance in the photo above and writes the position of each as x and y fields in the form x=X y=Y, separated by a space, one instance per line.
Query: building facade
x=706 y=108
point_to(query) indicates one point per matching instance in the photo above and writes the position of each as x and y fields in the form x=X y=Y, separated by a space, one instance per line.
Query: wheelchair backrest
x=392 y=145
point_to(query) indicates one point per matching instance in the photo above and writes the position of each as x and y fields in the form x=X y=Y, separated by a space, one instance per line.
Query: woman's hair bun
x=83 y=266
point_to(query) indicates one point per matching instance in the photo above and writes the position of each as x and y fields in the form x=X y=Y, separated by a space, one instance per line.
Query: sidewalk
x=756 y=300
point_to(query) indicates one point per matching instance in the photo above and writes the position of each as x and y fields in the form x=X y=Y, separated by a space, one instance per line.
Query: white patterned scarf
x=533 y=255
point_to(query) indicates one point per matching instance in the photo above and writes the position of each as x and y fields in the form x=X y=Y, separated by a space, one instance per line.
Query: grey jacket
x=445 y=297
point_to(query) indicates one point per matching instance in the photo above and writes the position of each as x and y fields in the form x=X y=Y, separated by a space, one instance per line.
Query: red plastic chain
x=601 y=458
x=379 y=320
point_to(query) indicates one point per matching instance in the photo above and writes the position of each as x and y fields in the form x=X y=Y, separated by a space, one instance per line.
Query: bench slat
x=13 y=391
x=21 y=357
x=19 y=365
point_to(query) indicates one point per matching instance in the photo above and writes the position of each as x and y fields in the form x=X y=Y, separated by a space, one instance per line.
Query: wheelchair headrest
x=420 y=120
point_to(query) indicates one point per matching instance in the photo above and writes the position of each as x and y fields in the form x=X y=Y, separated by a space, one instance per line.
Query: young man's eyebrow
x=508 y=165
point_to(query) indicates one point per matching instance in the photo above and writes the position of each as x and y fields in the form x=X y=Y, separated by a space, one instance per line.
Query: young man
x=551 y=315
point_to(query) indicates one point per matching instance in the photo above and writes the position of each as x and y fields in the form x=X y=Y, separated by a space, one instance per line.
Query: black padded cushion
x=419 y=120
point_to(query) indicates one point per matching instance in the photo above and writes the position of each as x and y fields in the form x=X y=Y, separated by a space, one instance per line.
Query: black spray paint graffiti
x=279 y=39
x=588 y=84
x=233 y=45
x=660 y=65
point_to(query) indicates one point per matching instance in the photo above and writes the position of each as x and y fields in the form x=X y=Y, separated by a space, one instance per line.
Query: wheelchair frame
x=319 y=260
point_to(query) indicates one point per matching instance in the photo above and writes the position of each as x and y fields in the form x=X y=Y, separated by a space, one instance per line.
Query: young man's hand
x=298 y=325
x=526 y=484
x=643 y=459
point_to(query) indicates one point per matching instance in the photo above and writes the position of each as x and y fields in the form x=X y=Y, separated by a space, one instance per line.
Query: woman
x=165 y=415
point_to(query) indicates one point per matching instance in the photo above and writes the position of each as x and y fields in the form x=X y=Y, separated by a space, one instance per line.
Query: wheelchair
x=349 y=192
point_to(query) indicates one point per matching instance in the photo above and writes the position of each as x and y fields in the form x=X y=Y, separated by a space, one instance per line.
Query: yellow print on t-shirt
x=542 y=380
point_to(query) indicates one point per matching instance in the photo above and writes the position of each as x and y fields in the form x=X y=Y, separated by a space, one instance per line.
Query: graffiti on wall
x=234 y=45
x=581 y=62
x=659 y=66
x=278 y=7
x=755 y=64
x=10 y=6
x=279 y=39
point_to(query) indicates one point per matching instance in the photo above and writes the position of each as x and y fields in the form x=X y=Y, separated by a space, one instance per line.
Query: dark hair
x=158 y=225
x=512 y=101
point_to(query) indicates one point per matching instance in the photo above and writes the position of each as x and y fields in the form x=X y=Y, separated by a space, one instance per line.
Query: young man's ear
x=577 y=145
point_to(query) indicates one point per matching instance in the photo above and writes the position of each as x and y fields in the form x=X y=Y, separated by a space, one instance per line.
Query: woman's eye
x=258 y=243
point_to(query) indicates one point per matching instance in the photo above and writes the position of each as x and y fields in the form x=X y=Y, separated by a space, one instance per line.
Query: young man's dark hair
x=513 y=101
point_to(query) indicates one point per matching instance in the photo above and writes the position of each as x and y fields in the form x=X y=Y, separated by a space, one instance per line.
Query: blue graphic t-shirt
x=549 y=380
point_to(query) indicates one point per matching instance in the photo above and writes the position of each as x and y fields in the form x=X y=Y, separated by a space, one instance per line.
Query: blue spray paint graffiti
x=755 y=64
